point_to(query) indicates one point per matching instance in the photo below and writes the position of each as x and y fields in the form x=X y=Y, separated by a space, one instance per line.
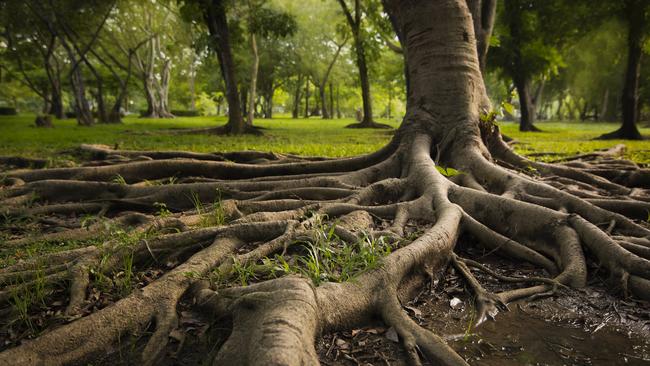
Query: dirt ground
x=576 y=327
x=586 y=326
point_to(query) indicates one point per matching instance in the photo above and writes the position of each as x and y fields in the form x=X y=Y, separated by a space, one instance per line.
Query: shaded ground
x=577 y=327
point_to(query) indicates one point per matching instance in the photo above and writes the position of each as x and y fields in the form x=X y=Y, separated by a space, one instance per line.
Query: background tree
x=636 y=14
x=531 y=35
x=354 y=14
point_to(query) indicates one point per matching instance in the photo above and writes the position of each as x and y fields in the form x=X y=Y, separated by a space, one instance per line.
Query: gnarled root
x=273 y=224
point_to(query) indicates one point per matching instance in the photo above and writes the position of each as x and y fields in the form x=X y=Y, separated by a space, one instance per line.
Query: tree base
x=529 y=128
x=622 y=134
x=370 y=124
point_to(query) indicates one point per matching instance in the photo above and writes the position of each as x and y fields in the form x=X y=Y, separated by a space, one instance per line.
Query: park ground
x=313 y=136
x=582 y=327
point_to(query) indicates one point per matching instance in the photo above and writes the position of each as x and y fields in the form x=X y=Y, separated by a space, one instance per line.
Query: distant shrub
x=185 y=113
x=70 y=115
x=8 y=111
x=44 y=121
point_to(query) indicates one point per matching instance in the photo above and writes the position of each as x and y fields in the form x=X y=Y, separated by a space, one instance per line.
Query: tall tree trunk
x=81 y=108
x=56 y=104
x=331 y=110
x=150 y=97
x=338 y=102
x=635 y=12
x=518 y=69
x=390 y=102
x=307 y=98
x=297 y=96
x=604 y=105
x=215 y=18
x=526 y=123
x=322 y=89
x=364 y=80
x=163 y=90
x=191 y=81
x=253 y=82
x=102 y=115
x=483 y=15
x=269 y=105
x=354 y=20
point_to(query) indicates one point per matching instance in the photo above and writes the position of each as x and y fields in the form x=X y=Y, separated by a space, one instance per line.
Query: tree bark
x=215 y=18
x=338 y=102
x=518 y=70
x=483 y=15
x=307 y=98
x=82 y=109
x=331 y=106
x=635 y=11
x=354 y=21
x=253 y=82
x=102 y=115
x=297 y=96
x=527 y=107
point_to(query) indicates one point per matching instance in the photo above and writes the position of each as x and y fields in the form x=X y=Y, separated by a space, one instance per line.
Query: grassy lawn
x=303 y=136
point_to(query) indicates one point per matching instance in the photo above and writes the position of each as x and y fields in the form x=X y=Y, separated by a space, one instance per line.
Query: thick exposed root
x=278 y=220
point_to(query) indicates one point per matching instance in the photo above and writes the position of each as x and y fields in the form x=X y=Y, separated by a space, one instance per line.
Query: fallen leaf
x=391 y=335
x=456 y=303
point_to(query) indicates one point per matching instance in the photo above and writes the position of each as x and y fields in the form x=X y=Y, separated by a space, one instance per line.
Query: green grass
x=302 y=136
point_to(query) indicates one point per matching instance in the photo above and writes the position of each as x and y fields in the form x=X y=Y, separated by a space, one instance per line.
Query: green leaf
x=447 y=172
x=509 y=108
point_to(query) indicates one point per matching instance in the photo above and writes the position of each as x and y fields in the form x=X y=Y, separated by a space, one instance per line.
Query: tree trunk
x=363 y=79
x=215 y=18
x=191 y=84
x=322 y=90
x=163 y=90
x=526 y=123
x=153 y=105
x=390 y=102
x=518 y=69
x=102 y=115
x=331 y=110
x=56 y=104
x=82 y=109
x=354 y=21
x=338 y=100
x=483 y=15
x=636 y=20
x=253 y=82
x=297 y=96
x=604 y=106
x=307 y=98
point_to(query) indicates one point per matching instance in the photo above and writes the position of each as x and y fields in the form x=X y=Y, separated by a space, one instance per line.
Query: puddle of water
x=519 y=338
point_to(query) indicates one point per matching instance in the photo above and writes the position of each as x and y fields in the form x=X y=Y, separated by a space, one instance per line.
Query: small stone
x=456 y=303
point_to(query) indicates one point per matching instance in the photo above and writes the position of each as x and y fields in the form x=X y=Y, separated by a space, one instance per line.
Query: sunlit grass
x=312 y=136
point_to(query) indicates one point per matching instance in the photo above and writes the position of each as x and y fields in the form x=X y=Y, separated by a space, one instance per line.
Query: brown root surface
x=251 y=251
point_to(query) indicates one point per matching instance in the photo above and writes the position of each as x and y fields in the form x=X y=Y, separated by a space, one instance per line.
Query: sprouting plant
x=243 y=272
x=21 y=301
x=470 y=322
x=125 y=281
x=447 y=172
x=215 y=215
x=161 y=209
x=119 y=180
x=88 y=220
x=196 y=201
